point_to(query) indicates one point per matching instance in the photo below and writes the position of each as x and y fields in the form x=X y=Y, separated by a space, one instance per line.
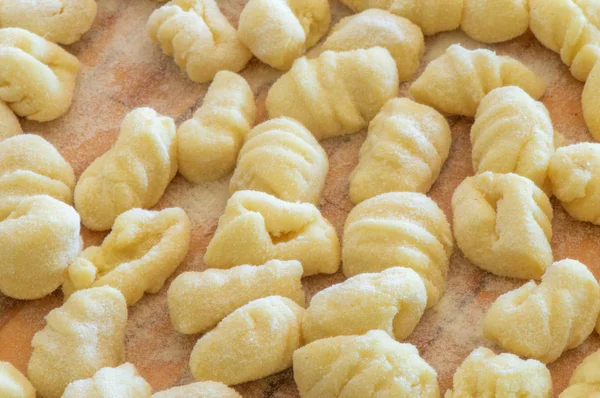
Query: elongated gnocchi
x=134 y=173
x=13 y=384
x=121 y=381
x=585 y=381
x=9 y=124
x=201 y=389
x=406 y=147
x=590 y=101
x=337 y=93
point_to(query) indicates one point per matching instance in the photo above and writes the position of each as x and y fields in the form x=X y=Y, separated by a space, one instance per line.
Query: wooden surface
x=122 y=69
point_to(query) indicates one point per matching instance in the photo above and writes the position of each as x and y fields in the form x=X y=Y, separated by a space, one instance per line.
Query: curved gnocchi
x=13 y=384
x=121 y=381
x=495 y=21
x=9 y=124
x=590 y=101
x=585 y=381
x=201 y=389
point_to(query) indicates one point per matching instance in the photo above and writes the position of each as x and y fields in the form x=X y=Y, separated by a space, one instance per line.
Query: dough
x=494 y=21
x=373 y=364
x=282 y=158
x=279 y=31
x=405 y=149
x=457 y=81
x=254 y=341
x=84 y=335
x=37 y=77
x=591 y=101
x=585 y=382
x=371 y=28
x=485 y=374
x=134 y=173
x=9 y=124
x=208 y=143
x=13 y=384
x=392 y=300
x=120 y=382
x=201 y=389
x=143 y=249
x=403 y=228
x=199 y=37
x=337 y=93
x=542 y=321
x=503 y=224
x=257 y=227
x=199 y=300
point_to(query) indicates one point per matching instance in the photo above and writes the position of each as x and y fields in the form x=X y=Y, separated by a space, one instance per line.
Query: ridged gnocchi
x=279 y=31
x=406 y=147
x=542 y=321
x=282 y=158
x=503 y=224
x=590 y=101
x=199 y=37
x=37 y=77
x=378 y=28
x=373 y=364
x=257 y=227
x=208 y=144
x=253 y=342
x=199 y=300
x=585 y=381
x=134 y=173
x=513 y=133
x=456 y=82
x=392 y=300
x=122 y=381
x=84 y=335
x=9 y=124
x=201 y=389
x=485 y=374
x=404 y=229
x=143 y=249
x=337 y=93
x=13 y=384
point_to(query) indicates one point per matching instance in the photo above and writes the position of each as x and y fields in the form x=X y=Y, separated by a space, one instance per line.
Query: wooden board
x=122 y=69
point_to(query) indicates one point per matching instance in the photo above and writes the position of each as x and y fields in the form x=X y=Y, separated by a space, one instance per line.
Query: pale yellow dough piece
x=503 y=224
x=134 y=173
x=337 y=93
x=199 y=37
x=378 y=28
x=201 y=389
x=542 y=321
x=84 y=335
x=513 y=133
x=282 y=158
x=9 y=124
x=458 y=80
x=37 y=77
x=496 y=20
x=143 y=249
x=591 y=101
x=405 y=149
x=209 y=142
x=61 y=21
x=371 y=365
x=585 y=382
x=393 y=300
x=405 y=229
x=485 y=374
x=199 y=300
x=279 y=31
x=254 y=341
x=257 y=227
x=13 y=384
x=120 y=382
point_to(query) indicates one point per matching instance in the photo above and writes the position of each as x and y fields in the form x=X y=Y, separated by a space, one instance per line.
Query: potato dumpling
x=13 y=384
x=201 y=389
x=591 y=101
x=495 y=21
x=9 y=124
x=585 y=381
x=122 y=381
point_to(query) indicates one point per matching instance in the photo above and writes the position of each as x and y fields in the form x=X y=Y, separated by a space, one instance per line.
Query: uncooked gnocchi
x=542 y=321
x=134 y=173
x=585 y=381
x=372 y=28
x=37 y=77
x=457 y=81
x=282 y=158
x=406 y=147
x=143 y=249
x=405 y=229
x=201 y=389
x=337 y=93
x=392 y=300
x=485 y=374
x=199 y=37
x=279 y=31
x=199 y=300
x=254 y=341
x=257 y=227
x=590 y=101
x=119 y=382
x=82 y=336
x=9 y=124
x=503 y=224
x=373 y=364
x=13 y=384
x=209 y=142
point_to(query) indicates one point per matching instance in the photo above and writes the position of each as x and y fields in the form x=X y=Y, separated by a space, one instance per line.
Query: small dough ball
x=9 y=124
x=254 y=341
x=13 y=384
x=591 y=101
x=201 y=389
x=495 y=21
x=503 y=224
x=279 y=31
x=585 y=382
x=373 y=364
x=372 y=28
x=121 y=382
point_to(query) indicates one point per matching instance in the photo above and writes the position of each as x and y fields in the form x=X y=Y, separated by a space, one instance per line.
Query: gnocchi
x=585 y=381
x=590 y=101
x=13 y=384
x=122 y=381
x=9 y=124
x=495 y=21
x=201 y=389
